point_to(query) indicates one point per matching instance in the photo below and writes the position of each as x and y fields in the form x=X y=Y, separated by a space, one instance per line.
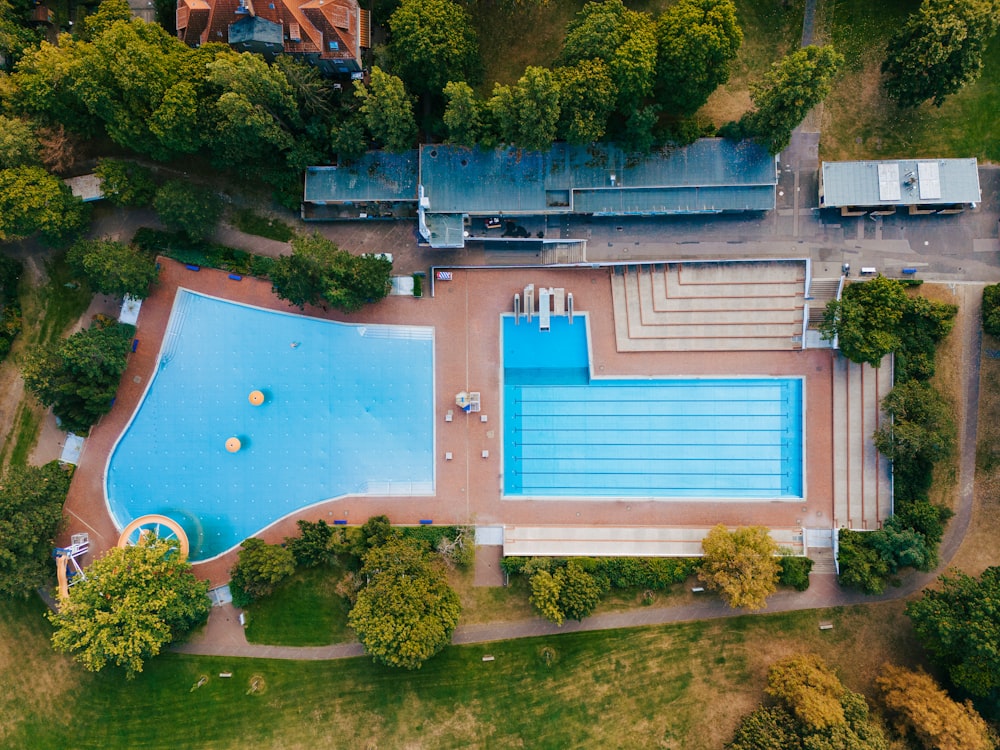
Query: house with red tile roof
x=329 y=34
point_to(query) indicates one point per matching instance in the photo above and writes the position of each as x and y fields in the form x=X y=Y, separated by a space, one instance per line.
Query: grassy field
x=638 y=688
x=305 y=610
x=859 y=122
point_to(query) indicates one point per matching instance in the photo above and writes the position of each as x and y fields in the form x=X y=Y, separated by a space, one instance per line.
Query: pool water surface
x=348 y=409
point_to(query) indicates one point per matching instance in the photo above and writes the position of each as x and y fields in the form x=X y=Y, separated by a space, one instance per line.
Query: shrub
x=10 y=316
x=253 y=223
x=991 y=310
x=314 y=544
x=183 y=249
x=795 y=572
x=861 y=566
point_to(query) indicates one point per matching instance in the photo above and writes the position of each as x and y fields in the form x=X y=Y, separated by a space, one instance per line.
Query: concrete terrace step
x=823 y=562
x=733 y=306
x=862 y=487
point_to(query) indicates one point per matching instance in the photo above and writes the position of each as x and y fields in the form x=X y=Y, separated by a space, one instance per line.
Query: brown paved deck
x=466 y=315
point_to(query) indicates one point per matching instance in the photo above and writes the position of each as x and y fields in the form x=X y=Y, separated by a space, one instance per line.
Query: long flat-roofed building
x=452 y=183
x=920 y=185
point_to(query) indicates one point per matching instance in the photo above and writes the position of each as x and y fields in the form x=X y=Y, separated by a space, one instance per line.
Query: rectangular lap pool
x=567 y=434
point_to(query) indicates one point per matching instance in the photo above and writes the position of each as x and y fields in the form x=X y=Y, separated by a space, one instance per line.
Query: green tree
x=462 y=114
x=579 y=591
x=132 y=603
x=78 y=377
x=406 y=612
x=939 y=50
x=191 y=209
x=861 y=565
x=259 y=568
x=787 y=93
x=432 y=42
x=922 y=707
x=125 y=183
x=387 y=111
x=102 y=19
x=958 y=625
x=866 y=319
x=113 y=267
x=991 y=310
x=44 y=85
x=527 y=114
x=742 y=565
x=31 y=503
x=624 y=39
x=586 y=99
x=318 y=271
x=924 y=325
x=14 y=37
x=314 y=545
x=921 y=430
x=32 y=200
x=18 y=143
x=698 y=40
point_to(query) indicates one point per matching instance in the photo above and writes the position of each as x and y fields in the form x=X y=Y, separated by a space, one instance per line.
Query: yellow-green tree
x=922 y=707
x=809 y=689
x=133 y=602
x=742 y=565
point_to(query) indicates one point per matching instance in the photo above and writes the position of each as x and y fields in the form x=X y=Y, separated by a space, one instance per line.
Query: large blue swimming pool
x=348 y=409
x=568 y=434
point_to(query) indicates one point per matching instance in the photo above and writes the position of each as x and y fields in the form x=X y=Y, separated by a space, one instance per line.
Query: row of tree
x=811 y=709
x=873 y=319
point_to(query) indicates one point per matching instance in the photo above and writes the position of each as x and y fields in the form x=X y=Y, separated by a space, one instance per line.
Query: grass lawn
x=305 y=610
x=646 y=687
x=859 y=122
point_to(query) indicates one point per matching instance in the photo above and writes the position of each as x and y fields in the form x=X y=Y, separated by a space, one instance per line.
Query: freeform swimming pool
x=348 y=410
x=567 y=434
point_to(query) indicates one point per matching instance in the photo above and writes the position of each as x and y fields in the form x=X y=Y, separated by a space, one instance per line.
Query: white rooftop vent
x=930 y=180
x=888 y=182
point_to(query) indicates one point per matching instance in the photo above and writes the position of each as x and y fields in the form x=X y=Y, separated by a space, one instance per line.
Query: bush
x=113 y=268
x=252 y=223
x=314 y=544
x=183 y=249
x=861 y=566
x=795 y=572
x=991 y=310
x=10 y=316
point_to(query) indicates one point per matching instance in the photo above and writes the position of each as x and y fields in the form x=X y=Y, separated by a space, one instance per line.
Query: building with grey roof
x=921 y=185
x=449 y=184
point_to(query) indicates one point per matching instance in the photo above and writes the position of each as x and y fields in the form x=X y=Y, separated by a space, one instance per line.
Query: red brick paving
x=466 y=315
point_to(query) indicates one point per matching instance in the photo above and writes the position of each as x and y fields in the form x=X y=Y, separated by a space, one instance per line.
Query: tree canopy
x=31 y=503
x=18 y=143
x=387 y=111
x=814 y=711
x=794 y=85
x=921 y=430
x=939 y=50
x=958 y=625
x=113 y=267
x=586 y=100
x=463 y=114
x=866 y=319
x=32 y=200
x=527 y=113
x=125 y=183
x=406 y=611
x=191 y=209
x=433 y=42
x=697 y=41
x=991 y=309
x=625 y=40
x=133 y=602
x=78 y=377
x=742 y=565
x=568 y=592
x=259 y=568
x=318 y=272
x=923 y=708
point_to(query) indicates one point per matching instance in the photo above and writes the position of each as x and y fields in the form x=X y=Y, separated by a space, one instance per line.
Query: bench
x=826 y=626
x=192 y=267
x=868 y=271
x=909 y=271
x=340 y=522
x=426 y=521
x=698 y=590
